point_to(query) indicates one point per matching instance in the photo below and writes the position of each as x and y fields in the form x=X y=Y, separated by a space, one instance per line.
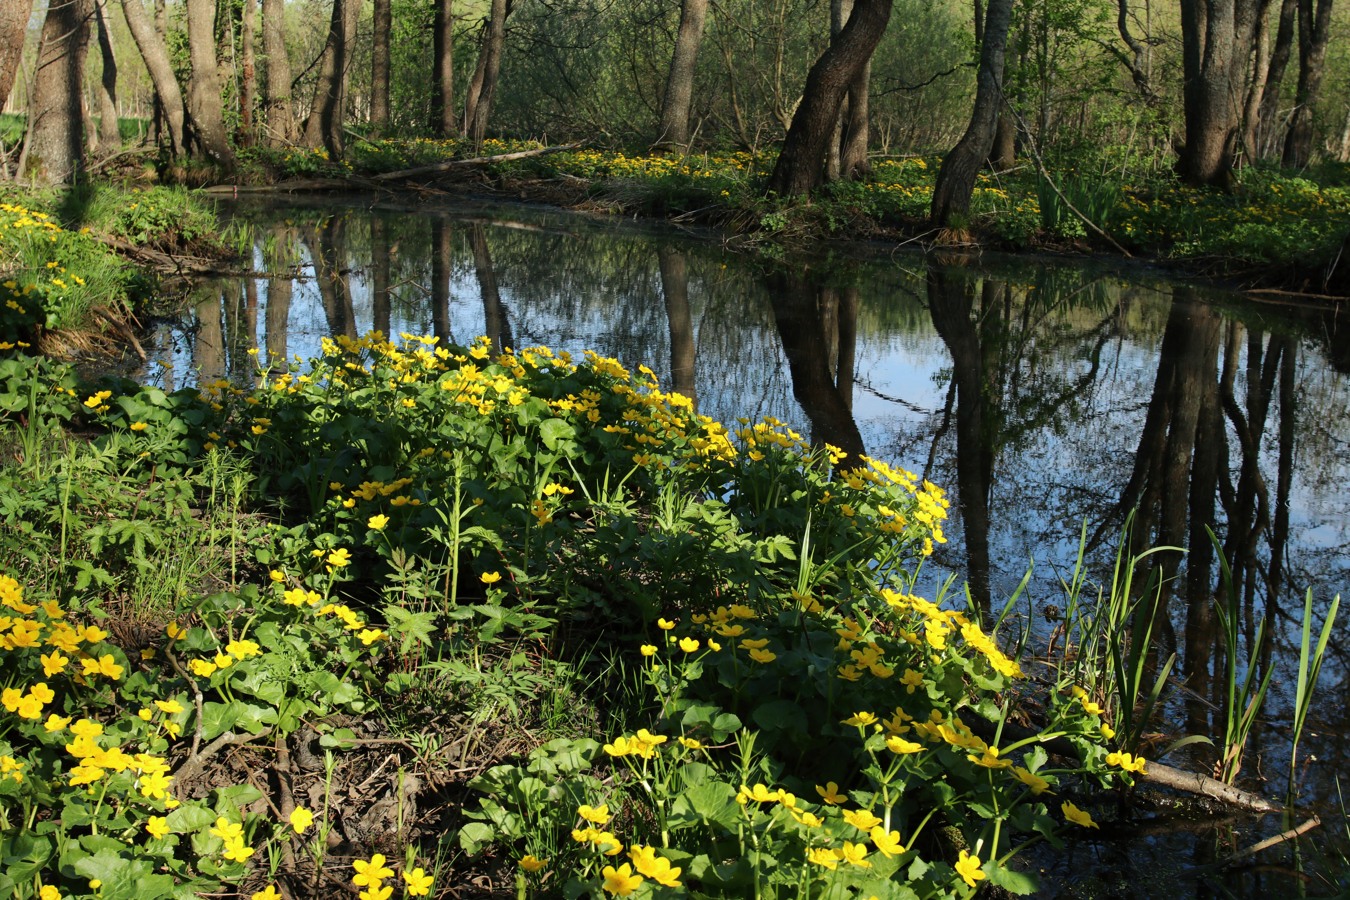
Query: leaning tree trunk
x=956 y=178
x=1217 y=40
x=443 y=54
x=801 y=165
x=1267 y=128
x=204 y=91
x=478 y=103
x=13 y=23
x=109 y=135
x=381 y=24
x=1314 y=31
x=324 y=125
x=277 y=70
x=679 y=96
x=156 y=57
x=53 y=151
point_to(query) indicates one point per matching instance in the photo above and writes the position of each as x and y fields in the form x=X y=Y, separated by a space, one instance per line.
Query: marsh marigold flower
x=418 y=882
x=621 y=881
x=969 y=868
x=301 y=819
x=371 y=872
x=1077 y=816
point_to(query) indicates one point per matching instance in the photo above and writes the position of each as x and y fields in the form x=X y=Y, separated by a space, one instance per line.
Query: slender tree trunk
x=1314 y=31
x=381 y=25
x=13 y=23
x=277 y=68
x=1344 y=155
x=800 y=166
x=248 y=74
x=441 y=260
x=956 y=177
x=53 y=151
x=443 y=54
x=478 y=103
x=496 y=320
x=155 y=54
x=108 y=133
x=381 y=281
x=204 y=89
x=680 y=78
x=1268 y=126
x=324 y=125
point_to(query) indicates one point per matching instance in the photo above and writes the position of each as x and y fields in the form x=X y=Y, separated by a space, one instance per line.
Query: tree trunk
x=478 y=103
x=13 y=23
x=956 y=177
x=675 y=289
x=1314 y=31
x=443 y=53
x=1268 y=128
x=277 y=67
x=442 y=260
x=1217 y=40
x=1251 y=113
x=204 y=91
x=324 y=125
x=108 y=133
x=381 y=269
x=680 y=79
x=154 y=52
x=800 y=166
x=248 y=75
x=53 y=151
x=381 y=25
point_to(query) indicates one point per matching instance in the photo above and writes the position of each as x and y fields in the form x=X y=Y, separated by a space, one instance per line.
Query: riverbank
x=1275 y=232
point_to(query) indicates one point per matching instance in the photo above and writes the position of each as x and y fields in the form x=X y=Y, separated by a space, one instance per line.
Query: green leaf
x=553 y=431
x=187 y=819
x=474 y=836
x=1019 y=883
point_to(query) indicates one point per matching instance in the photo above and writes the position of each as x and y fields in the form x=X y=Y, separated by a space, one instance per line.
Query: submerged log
x=451 y=165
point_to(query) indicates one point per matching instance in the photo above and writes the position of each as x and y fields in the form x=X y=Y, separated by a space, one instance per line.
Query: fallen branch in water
x=1256 y=848
x=451 y=164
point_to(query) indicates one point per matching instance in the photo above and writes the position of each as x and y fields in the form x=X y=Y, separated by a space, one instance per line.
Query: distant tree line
x=1136 y=86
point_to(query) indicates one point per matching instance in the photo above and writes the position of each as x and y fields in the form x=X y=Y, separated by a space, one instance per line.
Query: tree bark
x=108 y=133
x=441 y=263
x=679 y=95
x=204 y=91
x=13 y=24
x=1314 y=31
x=1251 y=114
x=956 y=177
x=1268 y=128
x=675 y=289
x=800 y=166
x=53 y=151
x=155 y=54
x=443 y=53
x=324 y=125
x=1217 y=39
x=381 y=25
x=478 y=103
x=277 y=67
x=248 y=74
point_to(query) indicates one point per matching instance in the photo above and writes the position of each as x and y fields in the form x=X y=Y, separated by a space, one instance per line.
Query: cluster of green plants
x=388 y=522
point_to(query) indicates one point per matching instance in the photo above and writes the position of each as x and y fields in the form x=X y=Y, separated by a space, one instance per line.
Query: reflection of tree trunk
x=675 y=288
x=441 y=240
x=1284 y=480
x=798 y=320
x=380 y=264
x=331 y=275
x=278 y=314
x=240 y=305
x=847 y=356
x=495 y=319
x=951 y=301
x=208 y=345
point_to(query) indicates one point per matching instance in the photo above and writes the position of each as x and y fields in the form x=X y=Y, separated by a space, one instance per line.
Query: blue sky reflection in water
x=1042 y=395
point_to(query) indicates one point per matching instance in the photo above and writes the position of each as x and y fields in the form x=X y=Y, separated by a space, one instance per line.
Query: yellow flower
x=854 y=854
x=830 y=794
x=901 y=747
x=621 y=881
x=53 y=663
x=418 y=882
x=823 y=856
x=377 y=523
x=47 y=892
x=888 y=842
x=647 y=649
x=339 y=558
x=202 y=668
x=596 y=815
x=157 y=826
x=968 y=867
x=860 y=719
x=532 y=863
x=763 y=656
x=301 y=819
x=372 y=872
x=1037 y=784
x=490 y=577
x=376 y=892
x=688 y=645
x=1077 y=816
x=655 y=867
x=138 y=426
x=226 y=830
x=56 y=723
x=268 y=893
x=237 y=850
x=665 y=624
x=861 y=819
